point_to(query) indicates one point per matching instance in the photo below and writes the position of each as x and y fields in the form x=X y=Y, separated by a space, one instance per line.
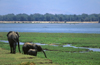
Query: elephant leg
x=11 y=48
x=14 y=48
x=18 y=45
x=25 y=52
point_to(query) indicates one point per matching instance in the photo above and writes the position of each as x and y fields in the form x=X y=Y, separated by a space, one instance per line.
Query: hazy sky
x=49 y=6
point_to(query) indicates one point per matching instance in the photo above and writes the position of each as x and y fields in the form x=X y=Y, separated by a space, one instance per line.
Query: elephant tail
x=19 y=46
x=44 y=54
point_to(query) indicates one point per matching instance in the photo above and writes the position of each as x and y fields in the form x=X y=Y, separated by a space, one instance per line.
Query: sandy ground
x=48 y=22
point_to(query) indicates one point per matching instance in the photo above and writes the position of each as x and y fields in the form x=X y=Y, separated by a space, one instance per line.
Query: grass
x=63 y=49
x=20 y=59
x=58 y=55
x=76 y=39
x=63 y=58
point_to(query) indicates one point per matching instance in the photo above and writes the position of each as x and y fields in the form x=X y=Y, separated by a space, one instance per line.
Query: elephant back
x=12 y=35
x=27 y=46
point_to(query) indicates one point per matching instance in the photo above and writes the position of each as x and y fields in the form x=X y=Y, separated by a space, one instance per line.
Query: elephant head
x=28 y=46
x=32 y=52
x=13 y=38
x=39 y=49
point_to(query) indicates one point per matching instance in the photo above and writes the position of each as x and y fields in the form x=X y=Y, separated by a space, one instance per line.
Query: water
x=52 y=28
x=91 y=49
x=68 y=45
x=21 y=43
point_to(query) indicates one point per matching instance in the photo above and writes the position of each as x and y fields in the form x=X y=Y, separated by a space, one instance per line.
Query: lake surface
x=52 y=28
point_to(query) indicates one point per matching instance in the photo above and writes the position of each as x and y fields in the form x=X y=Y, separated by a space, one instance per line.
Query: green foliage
x=49 y=17
x=99 y=19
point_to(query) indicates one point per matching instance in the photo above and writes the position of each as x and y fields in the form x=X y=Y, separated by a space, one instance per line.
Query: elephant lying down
x=32 y=52
x=27 y=46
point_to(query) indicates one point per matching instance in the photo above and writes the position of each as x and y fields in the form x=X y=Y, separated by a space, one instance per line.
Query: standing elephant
x=13 y=38
x=28 y=46
x=32 y=52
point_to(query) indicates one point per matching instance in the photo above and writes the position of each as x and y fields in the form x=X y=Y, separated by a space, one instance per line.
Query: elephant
x=32 y=52
x=28 y=46
x=13 y=38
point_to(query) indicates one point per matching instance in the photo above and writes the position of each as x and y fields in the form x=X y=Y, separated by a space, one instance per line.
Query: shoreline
x=48 y=22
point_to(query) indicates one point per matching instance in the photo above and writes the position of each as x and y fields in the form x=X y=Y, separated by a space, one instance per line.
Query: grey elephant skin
x=13 y=38
x=32 y=52
x=28 y=46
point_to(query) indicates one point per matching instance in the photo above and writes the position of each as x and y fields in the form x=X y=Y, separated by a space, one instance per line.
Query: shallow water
x=91 y=49
x=21 y=43
x=68 y=45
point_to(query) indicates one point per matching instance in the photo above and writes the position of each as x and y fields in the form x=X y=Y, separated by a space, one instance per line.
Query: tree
x=99 y=19
x=49 y=17
x=1 y=18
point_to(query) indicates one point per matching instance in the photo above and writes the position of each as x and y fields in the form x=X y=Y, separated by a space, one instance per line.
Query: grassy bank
x=58 y=55
x=81 y=40
x=20 y=59
x=55 y=56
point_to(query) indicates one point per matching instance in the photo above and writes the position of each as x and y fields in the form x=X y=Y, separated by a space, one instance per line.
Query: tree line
x=49 y=17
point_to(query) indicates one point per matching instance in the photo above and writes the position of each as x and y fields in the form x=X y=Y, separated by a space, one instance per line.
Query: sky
x=77 y=7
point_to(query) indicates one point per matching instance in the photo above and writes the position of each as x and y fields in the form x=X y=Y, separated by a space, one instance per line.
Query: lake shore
x=48 y=22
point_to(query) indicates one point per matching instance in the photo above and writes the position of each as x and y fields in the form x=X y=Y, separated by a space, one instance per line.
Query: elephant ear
x=9 y=33
x=17 y=34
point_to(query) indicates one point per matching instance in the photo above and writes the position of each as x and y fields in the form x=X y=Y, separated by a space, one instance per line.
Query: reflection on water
x=68 y=45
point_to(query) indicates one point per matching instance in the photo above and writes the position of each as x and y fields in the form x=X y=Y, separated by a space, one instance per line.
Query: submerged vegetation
x=55 y=54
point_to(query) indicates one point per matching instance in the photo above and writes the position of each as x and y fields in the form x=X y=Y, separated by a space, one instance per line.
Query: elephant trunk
x=44 y=54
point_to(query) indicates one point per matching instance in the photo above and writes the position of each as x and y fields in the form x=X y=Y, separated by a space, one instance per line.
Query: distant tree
x=22 y=18
x=1 y=18
x=61 y=17
x=29 y=18
x=49 y=17
x=99 y=19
